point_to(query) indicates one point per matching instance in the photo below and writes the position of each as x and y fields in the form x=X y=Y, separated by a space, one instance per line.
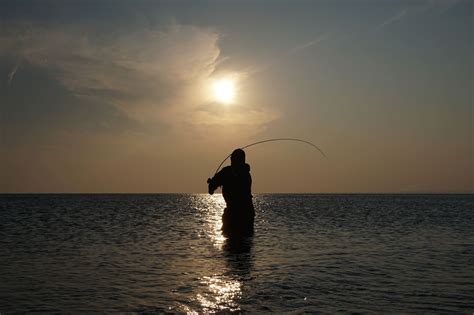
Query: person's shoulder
x=226 y=170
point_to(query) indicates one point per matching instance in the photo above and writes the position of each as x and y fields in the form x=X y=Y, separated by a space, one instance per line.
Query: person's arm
x=214 y=183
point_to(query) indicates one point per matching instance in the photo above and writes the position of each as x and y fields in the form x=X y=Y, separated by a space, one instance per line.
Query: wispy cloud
x=392 y=19
x=12 y=73
x=436 y=5
x=286 y=54
x=149 y=74
x=308 y=44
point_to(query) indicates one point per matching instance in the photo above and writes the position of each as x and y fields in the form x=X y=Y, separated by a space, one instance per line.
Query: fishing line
x=270 y=140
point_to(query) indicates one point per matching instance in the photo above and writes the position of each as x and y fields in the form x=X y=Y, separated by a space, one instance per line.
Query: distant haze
x=115 y=96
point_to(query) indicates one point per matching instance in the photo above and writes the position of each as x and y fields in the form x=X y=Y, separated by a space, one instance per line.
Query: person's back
x=236 y=185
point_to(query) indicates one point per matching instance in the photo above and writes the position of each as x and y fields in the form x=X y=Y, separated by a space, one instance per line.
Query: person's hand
x=210 y=190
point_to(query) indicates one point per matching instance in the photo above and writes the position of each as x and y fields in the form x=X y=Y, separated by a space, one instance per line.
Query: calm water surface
x=310 y=253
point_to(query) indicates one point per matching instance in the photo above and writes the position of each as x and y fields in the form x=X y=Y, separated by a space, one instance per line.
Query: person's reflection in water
x=236 y=182
x=237 y=252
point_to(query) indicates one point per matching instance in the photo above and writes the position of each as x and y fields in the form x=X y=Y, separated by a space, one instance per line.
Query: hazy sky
x=116 y=96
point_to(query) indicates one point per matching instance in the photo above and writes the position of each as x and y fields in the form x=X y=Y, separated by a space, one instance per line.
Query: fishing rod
x=270 y=140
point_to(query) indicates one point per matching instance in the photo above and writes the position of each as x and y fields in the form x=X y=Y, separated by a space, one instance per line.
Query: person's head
x=237 y=157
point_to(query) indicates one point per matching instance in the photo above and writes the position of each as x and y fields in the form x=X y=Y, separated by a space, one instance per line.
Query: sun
x=224 y=90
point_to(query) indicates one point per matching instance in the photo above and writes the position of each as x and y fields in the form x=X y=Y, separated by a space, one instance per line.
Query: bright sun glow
x=224 y=90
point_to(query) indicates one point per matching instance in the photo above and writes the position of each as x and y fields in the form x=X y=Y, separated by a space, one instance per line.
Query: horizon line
x=257 y=193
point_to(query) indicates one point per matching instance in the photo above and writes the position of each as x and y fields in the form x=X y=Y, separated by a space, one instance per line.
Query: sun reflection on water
x=214 y=208
x=221 y=288
x=221 y=294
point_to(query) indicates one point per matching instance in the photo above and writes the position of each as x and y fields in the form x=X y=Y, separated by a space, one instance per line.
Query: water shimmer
x=310 y=253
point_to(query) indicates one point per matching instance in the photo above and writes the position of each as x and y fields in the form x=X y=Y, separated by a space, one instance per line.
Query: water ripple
x=165 y=253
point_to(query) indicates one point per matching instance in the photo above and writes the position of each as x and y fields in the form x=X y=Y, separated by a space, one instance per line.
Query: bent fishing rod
x=270 y=140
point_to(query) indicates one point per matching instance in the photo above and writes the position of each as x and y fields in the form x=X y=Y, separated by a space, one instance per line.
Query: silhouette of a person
x=236 y=183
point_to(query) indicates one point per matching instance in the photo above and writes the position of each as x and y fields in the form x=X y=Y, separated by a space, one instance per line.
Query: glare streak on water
x=310 y=253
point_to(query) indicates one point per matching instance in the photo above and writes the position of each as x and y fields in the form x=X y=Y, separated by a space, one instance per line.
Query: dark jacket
x=236 y=185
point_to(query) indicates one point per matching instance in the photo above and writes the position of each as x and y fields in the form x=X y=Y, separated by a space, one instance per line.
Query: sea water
x=165 y=253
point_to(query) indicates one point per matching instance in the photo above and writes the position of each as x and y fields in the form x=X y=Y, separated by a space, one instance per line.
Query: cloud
x=392 y=19
x=12 y=73
x=149 y=74
x=418 y=7
x=130 y=70
x=278 y=59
